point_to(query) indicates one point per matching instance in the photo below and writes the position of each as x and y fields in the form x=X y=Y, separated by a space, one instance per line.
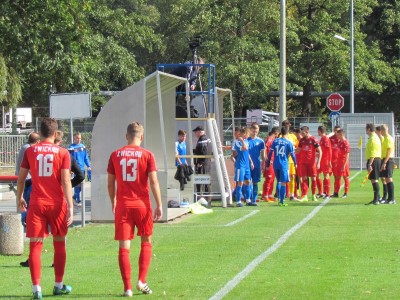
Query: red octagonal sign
x=335 y=102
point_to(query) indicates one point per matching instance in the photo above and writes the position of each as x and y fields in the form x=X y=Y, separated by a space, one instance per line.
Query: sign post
x=335 y=102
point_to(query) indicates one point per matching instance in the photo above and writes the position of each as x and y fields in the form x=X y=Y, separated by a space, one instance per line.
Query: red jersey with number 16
x=45 y=162
x=131 y=166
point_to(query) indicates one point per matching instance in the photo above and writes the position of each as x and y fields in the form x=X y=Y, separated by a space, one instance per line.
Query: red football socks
x=125 y=267
x=35 y=262
x=60 y=258
x=144 y=260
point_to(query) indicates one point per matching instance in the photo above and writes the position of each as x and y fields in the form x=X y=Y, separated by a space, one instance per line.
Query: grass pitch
x=347 y=250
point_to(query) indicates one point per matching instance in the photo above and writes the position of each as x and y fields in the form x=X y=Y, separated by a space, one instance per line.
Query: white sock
x=36 y=288
x=59 y=285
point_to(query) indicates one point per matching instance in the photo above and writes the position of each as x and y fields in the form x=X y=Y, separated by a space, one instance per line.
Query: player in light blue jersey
x=242 y=167
x=282 y=149
x=257 y=154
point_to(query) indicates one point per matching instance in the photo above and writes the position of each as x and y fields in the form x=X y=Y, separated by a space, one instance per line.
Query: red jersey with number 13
x=131 y=166
x=45 y=162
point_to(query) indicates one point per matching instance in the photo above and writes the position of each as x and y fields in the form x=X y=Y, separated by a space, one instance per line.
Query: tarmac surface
x=8 y=203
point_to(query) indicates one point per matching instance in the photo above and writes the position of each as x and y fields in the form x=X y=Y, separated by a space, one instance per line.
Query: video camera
x=195 y=43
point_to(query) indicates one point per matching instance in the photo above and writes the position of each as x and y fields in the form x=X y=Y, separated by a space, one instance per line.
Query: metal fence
x=9 y=148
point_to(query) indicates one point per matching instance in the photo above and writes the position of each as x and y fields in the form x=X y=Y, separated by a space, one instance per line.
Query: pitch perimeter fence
x=11 y=144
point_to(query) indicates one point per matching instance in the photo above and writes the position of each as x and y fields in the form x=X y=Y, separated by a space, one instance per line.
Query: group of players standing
x=297 y=158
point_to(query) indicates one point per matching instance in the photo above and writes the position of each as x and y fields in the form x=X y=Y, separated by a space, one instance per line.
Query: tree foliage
x=98 y=45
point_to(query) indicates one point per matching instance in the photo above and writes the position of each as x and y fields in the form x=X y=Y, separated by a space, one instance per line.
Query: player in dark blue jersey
x=282 y=149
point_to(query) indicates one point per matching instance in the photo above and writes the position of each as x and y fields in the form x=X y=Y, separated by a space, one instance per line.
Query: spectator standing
x=82 y=158
x=33 y=139
x=387 y=165
x=281 y=148
x=202 y=165
x=50 y=206
x=257 y=155
x=308 y=146
x=373 y=152
x=130 y=169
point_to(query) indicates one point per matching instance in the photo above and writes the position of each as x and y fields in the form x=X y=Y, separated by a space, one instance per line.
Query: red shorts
x=308 y=170
x=127 y=218
x=338 y=170
x=324 y=168
x=40 y=217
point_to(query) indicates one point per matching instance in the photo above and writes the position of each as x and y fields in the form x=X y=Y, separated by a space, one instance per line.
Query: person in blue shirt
x=257 y=154
x=282 y=149
x=180 y=146
x=82 y=158
x=242 y=168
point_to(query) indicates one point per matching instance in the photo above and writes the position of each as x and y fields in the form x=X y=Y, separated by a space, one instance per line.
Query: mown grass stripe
x=258 y=260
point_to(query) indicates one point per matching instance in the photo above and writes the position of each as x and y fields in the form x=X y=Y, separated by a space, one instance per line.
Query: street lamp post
x=352 y=56
x=351 y=43
x=282 y=64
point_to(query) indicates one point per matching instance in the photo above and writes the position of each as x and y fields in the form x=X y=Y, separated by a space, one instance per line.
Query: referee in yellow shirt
x=387 y=165
x=373 y=154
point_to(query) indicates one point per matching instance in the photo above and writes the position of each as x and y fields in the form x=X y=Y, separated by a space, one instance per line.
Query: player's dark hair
x=273 y=131
x=321 y=129
x=336 y=128
x=297 y=130
x=305 y=128
x=284 y=131
x=48 y=127
x=370 y=126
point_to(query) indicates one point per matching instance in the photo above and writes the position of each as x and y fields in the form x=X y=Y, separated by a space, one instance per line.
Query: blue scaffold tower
x=191 y=72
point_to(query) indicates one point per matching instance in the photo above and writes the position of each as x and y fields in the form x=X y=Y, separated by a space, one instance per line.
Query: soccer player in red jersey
x=334 y=144
x=130 y=169
x=269 y=175
x=308 y=146
x=325 y=166
x=50 y=204
x=342 y=167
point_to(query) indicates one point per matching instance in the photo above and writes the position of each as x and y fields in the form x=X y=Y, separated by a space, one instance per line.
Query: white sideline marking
x=242 y=218
x=258 y=260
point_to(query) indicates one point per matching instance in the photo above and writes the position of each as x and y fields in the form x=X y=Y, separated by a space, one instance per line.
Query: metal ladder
x=222 y=173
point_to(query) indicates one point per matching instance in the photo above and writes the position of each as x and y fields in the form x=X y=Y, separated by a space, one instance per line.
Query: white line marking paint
x=242 y=218
x=258 y=260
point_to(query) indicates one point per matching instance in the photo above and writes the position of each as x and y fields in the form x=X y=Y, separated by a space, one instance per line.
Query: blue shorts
x=256 y=175
x=242 y=174
x=282 y=175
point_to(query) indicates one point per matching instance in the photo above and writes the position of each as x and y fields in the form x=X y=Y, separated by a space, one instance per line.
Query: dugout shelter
x=151 y=101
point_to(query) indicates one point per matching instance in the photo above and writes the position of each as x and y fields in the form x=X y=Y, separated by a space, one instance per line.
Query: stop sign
x=335 y=102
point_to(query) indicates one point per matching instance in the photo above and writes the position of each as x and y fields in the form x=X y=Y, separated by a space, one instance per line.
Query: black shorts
x=388 y=172
x=376 y=165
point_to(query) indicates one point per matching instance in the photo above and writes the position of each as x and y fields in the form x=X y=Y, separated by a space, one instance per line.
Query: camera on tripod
x=195 y=43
